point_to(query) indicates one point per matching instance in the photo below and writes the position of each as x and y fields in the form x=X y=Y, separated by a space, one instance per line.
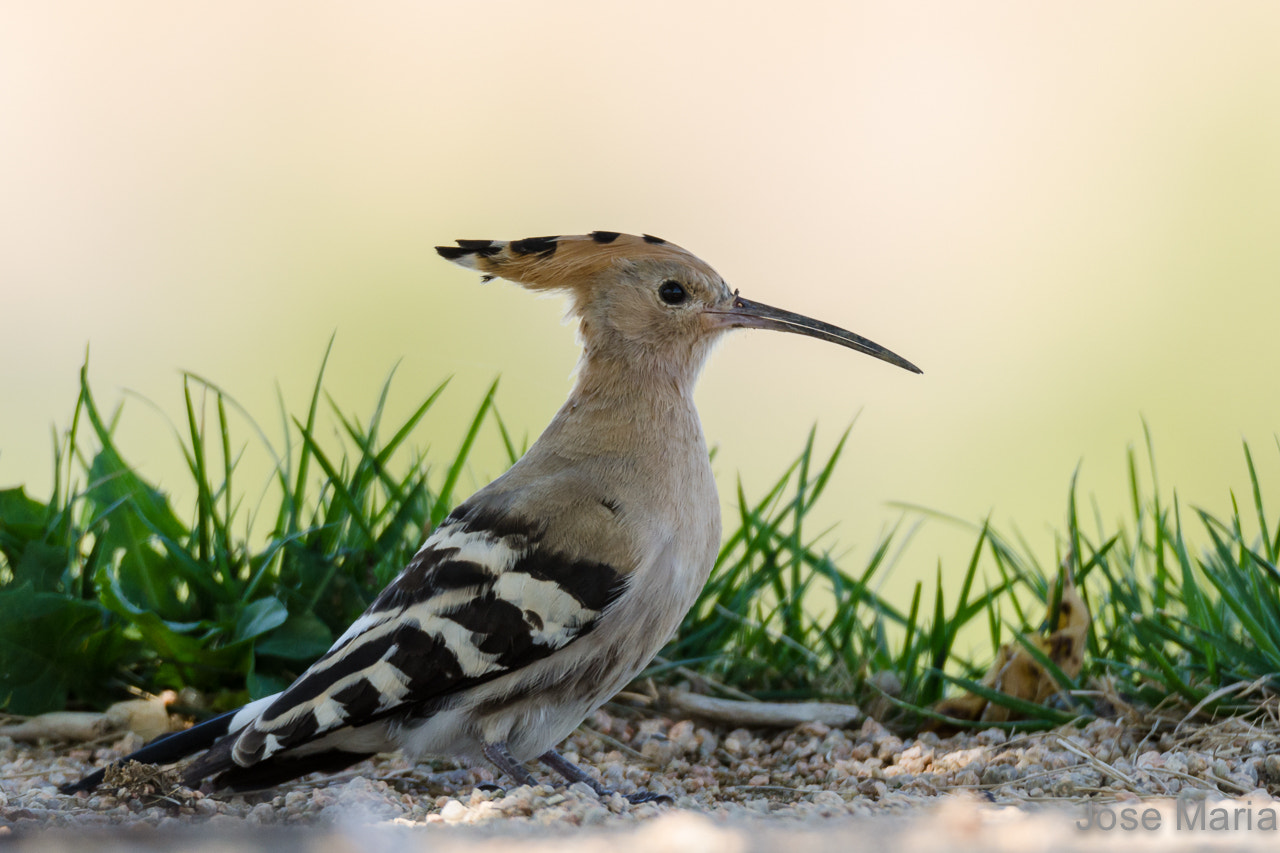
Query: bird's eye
x=672 y=292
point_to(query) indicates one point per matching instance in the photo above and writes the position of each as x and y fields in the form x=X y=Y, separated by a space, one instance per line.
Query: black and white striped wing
x=480 y=599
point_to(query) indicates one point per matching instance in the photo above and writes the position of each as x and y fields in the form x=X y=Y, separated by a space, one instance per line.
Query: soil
x=1143 y=783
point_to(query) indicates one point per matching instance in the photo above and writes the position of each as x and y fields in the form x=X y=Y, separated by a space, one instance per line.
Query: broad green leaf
x=259 y=617
x=302 y=637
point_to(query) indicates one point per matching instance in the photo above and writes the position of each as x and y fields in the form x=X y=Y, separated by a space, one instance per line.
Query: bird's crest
x=549 y=263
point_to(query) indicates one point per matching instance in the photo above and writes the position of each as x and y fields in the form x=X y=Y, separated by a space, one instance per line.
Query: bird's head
x=641 y=297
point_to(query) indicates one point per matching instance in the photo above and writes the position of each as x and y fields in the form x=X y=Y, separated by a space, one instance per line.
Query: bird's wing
x=484 y=596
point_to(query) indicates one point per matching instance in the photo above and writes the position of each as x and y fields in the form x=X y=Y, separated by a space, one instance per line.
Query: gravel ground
x=733 y=790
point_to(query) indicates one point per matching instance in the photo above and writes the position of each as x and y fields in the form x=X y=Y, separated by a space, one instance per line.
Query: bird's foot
x=501 y=756
x=573 y=773
x=635 y=799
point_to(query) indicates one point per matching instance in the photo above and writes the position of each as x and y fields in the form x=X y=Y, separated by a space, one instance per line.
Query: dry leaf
x=1016 y=673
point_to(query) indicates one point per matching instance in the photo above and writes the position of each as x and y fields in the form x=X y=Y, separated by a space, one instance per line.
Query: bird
x=548 y=590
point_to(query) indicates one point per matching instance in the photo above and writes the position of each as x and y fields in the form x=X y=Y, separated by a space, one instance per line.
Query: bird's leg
x=502 y=758
x=573 y=773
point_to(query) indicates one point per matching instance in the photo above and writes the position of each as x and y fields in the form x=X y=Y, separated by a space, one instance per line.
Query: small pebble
x=829 y=799
x=811 y=773
x=453 y=811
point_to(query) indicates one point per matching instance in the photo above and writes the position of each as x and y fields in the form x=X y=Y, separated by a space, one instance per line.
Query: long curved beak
x=745 y=314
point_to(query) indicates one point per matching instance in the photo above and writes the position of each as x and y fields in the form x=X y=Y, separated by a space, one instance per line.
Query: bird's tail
x=220 y=769
x=217 y=764
x=165 y=750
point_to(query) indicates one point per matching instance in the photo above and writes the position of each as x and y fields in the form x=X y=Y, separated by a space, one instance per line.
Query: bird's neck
x=630 y=406
x=641 y=382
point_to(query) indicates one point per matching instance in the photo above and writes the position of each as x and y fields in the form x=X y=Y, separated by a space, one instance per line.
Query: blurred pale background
x=1068 y=214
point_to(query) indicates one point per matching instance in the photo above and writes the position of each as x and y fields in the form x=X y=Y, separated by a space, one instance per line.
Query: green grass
x=141 y=596
x=107 y=588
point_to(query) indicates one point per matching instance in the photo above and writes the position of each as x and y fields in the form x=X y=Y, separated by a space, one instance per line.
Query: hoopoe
x=548 y=590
